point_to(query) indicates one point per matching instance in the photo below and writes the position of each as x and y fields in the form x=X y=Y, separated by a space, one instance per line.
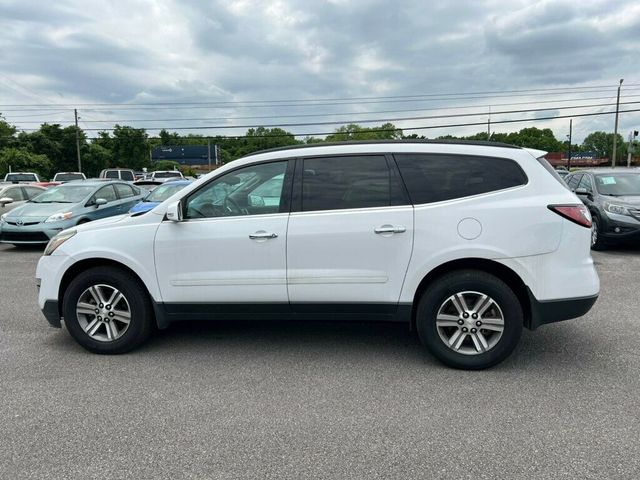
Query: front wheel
x=597 y=242
x=469 y=319
x=107 y=310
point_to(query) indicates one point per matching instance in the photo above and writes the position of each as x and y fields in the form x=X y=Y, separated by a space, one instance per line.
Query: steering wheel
x=232 y=206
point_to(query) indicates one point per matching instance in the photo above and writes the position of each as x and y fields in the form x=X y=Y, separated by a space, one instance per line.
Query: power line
x=426 y=127
x=375 y=120
x=307 y=115
x=263 y=104
x=306 y=100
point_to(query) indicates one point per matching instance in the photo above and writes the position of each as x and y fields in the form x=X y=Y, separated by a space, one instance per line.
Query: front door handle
x=390 y=229
x=262 y=235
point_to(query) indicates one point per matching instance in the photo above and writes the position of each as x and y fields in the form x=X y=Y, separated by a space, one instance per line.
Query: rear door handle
x=390 y=229
x=262 y=235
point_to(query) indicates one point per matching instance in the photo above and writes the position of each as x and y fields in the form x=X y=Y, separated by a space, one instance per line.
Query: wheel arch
x=88 y=263
x=504 y=273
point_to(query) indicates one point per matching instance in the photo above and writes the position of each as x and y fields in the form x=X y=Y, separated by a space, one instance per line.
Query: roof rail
x=377 y=142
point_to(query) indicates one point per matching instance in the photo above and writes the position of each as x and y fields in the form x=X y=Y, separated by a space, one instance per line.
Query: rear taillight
x=576 y=213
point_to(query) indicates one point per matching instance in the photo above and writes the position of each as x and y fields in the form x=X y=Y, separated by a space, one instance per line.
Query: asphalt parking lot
x=290 y=400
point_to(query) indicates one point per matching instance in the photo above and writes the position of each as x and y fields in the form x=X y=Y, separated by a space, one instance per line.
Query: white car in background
x=467 y=243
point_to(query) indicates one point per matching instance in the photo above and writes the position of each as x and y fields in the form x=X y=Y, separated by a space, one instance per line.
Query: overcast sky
x=75 y=52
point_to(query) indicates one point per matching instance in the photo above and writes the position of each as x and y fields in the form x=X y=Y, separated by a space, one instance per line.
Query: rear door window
x=437 y=177
x=126 y=175
x=337 y=183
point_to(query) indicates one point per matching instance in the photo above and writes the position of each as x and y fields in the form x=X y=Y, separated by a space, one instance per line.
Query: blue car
x=65 y=206
x=159 y=195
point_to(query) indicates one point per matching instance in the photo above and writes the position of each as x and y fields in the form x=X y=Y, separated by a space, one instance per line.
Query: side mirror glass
x=5 y=200
x=100 y=201
x=174 y=212
x=256 y=201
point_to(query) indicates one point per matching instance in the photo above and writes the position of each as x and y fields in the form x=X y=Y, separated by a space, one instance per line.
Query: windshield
x=166 y=174
x=21 y=177
x=64 y=194
x=163 y=192
x=618 y=184
x=67 y=177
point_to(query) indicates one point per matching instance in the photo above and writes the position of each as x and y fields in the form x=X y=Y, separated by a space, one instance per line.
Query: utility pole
x=489 y=126
x=569 y=154
x=615 y=130
x=632 y=134
x=209 y=152
x=75 y=112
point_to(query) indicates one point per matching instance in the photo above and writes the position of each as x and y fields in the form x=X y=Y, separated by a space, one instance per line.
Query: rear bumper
x=551 y=311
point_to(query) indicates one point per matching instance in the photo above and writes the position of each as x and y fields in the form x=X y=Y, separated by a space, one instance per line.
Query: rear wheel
x=107 y=310
x=469 y=319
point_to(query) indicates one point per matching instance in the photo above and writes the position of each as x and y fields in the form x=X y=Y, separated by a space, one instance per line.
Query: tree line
x=52 y=148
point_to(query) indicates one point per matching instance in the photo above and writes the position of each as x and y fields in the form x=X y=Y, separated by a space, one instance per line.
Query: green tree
x=7 y=134
x=57 y=143
x=23 y=161
x=166 y=165
x=128 y=146
x=95 y=157
x=602 y=144
x=353 y=131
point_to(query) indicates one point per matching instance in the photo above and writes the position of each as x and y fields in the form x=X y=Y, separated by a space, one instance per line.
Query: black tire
x=469 y=281
x=598 y=242
x=83 y=220
x=141 y=310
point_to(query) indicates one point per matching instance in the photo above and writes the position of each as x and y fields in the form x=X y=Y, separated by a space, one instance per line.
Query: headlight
x=617 y=209
x=3 y=216
x=57 y=217
x=58 y=240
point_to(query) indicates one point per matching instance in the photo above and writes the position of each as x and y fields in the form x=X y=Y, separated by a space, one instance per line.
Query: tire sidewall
x=461 y=281
x=138 y=303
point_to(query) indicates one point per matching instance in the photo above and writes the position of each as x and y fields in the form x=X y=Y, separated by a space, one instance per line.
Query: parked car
x=466 y=242
x=68 y=176
x=65 y=206
x=159 y=195
x=164 y=175
x=613 y=198
x=21 y=177
x=125 y=174
x=147 y=185
x=12 y=195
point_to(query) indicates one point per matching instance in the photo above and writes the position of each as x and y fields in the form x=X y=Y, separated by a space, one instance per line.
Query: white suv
x=465 y=242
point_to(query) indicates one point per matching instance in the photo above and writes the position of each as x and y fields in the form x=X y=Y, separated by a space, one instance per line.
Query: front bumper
x=51 y=312
x=620 y=228
x=551 y=311
x=36 y=234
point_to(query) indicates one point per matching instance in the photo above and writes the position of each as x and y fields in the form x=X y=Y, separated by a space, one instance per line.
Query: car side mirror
x=5 y=200
x=256 y=201
x=581 y=191
x=174 y=212
x=100 y=201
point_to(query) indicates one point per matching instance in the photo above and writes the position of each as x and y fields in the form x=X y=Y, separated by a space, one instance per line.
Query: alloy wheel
x=470 y=323
x=103 y=313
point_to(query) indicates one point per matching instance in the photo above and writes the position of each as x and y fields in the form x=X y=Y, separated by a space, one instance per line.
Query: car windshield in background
x=618 y=184
x=163 y=192
x=67 y=177
x=166 y=174
x=17 y=177
x=64 y=194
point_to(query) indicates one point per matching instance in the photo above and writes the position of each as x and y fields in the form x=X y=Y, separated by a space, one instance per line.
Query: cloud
x=78 y=52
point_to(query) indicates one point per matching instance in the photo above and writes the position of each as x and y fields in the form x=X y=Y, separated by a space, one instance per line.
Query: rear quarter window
x=437 y=177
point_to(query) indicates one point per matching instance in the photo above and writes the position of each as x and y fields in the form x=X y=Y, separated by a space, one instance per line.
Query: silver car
x=65 y=206
x=13 y=195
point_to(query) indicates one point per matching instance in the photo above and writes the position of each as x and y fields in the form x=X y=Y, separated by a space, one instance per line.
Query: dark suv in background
x=613 y=198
